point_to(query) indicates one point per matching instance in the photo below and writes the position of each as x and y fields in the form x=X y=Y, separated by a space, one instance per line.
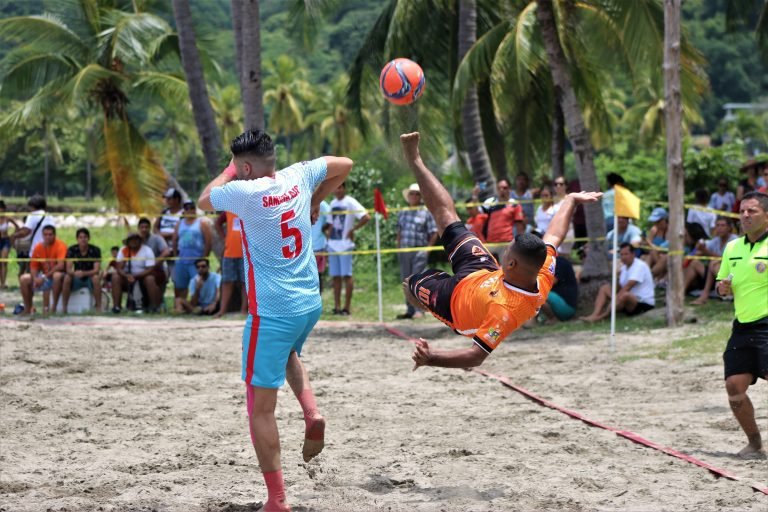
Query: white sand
x=148 y=414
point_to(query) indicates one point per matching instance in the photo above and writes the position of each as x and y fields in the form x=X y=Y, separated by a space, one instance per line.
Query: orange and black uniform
x=476 y=301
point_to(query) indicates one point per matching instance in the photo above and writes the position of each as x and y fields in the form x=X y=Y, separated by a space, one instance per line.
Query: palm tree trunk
x=237 y=27
x=675 y=185
x=558 y=142
x=471 y=125
x=250 y=66
x=596 y=263
x=198 y=93
x=45 y=158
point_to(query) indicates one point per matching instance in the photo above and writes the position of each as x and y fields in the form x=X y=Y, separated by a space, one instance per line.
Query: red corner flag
x=378 y=203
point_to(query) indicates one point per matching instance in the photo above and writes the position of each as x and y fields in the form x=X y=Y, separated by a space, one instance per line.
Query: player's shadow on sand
x=718 y=454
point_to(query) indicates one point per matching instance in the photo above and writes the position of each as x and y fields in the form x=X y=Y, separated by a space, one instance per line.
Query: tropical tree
x=229 y=111
x=198 y=92
x=249 y=49
x=287 y=91
x=89 y=55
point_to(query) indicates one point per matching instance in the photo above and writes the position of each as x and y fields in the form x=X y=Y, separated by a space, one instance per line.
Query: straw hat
x=412 y=188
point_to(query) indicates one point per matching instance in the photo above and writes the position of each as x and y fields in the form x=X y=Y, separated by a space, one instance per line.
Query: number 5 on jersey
x=289 y=232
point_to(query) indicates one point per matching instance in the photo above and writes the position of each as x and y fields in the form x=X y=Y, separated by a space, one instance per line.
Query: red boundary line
x=635 y=438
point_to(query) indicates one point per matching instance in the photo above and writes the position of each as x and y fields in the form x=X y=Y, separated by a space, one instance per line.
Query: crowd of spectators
x=176 y=246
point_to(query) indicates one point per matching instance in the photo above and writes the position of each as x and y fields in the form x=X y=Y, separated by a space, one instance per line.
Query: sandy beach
x=142 y=414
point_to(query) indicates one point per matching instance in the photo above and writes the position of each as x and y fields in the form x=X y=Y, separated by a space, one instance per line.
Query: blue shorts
x=339 y=265
x=267 y=344
x=232 y=270
x=46 y=286
x=5 y=243
x=80 y=283
x=183 y=272
x=562 y=310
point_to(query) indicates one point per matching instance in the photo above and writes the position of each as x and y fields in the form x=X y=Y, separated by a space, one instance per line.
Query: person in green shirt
x=744 y=274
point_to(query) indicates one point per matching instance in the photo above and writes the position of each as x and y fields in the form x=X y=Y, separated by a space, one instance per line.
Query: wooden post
x=675 y=174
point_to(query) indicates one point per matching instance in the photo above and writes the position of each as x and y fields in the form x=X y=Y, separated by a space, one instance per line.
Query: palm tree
x=250 y=62
x=198 y=92
x=229 y=111
x=286 y=93
x=88 y=54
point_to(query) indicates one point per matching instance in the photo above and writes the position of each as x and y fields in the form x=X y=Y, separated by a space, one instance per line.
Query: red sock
x=275 y=491
x=307 y=402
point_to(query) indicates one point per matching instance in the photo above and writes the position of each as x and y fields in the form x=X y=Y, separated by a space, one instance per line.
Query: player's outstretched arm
x=423 y=355
x=558 y=227
x=339 y=168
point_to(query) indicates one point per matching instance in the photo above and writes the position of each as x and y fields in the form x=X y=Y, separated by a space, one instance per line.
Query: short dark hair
x=503 y=178
x=2 y=205
x=614 y=179
x=37 y=202
x=50 y=228
x=626 y=245
x=531 y=249
x=702 y=195
x=144 y=220
x=695 y=230
x=759 y=197
x=114 y=248
x=253 y=142
x=204 y=260
x=83 y=230
x=725 y=219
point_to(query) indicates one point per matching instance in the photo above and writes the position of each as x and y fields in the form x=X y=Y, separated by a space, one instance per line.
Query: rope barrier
x=626 y=434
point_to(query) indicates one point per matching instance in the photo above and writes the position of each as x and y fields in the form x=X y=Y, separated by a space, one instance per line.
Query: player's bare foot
x=314 y=437
x=276 y=506
x=752 y=452
x=413 y=301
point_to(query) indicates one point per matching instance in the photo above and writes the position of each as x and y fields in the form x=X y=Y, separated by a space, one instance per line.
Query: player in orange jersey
x=482 y=299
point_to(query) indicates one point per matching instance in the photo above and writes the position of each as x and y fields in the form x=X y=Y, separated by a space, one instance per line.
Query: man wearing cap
x=415 y=228
x=191 y=241
x=744 y=274
x=656 y=243
x=135 y=264
x=505 y=217
x=165 y=224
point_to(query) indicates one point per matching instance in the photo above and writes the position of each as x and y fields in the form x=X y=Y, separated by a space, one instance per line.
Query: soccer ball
x=402 y=81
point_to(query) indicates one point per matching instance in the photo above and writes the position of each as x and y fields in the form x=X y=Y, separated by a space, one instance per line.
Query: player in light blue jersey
x=281 y=282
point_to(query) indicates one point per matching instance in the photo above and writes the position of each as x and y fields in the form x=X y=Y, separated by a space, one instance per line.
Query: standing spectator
x=714 y=248
x=320 y=229
x=205 y=289
x=476 y=219
x=522 y=193
x=546 y=209
x=628 y=234
x=744 y=274
x=722 y=198
x=415 y=228
x=703 y=218
x=693 y=270
x=342 y=239
x=165 y=224
x=31 y=233
x=83 y=269
x=579 y=219
x=232 y=270
x=160 y=250
x=191 y=241
x=46 y=271
x=656 y=243
x=5 y=242
x=749 y=183
x=636 y=293
x=135 y=267
x=505 y=218
x=612 y=179
x=560 y=189
x=764 y=188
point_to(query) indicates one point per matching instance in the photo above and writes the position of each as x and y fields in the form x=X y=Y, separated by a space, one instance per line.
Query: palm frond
x=28 y=113
x=82 y=87
x=22 y=73
x=171 y=88
x=306 y=18
x=46 y=33
x=131 y=36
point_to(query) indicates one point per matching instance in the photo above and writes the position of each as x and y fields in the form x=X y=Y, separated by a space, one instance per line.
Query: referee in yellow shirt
x=744 y=273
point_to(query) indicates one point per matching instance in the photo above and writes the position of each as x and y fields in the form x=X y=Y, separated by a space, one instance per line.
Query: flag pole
x=614 y=258
x=378 y=266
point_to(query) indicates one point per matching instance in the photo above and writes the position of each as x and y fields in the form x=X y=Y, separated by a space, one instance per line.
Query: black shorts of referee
x=747 y=350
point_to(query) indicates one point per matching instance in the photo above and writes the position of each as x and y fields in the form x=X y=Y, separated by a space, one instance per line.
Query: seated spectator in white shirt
x=205 y=289
x=714 y=248
x=635 y=295
x=135 y=264
x=704 y=218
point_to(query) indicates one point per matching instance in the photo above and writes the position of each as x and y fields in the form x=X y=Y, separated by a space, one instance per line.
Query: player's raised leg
x=439 y=202
x=314 y=423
